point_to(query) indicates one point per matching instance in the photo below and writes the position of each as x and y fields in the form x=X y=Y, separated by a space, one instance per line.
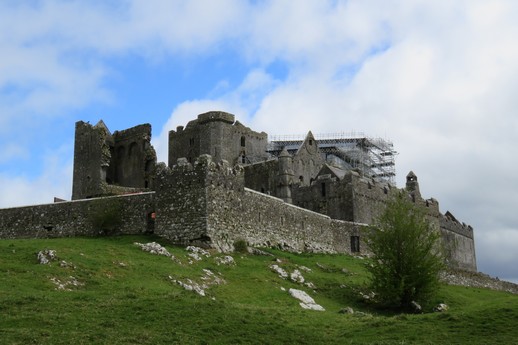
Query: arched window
x=132 y=149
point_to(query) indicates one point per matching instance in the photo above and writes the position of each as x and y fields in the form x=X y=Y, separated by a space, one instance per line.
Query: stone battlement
x=212 y=116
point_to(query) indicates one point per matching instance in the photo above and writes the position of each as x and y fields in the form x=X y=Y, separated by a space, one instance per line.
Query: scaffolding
x=372 y=157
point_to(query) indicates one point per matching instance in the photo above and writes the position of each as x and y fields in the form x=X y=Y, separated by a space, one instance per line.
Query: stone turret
x=285 y=175
x=412 y=186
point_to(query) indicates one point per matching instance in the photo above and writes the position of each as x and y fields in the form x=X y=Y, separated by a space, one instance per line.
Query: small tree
x=407 y=258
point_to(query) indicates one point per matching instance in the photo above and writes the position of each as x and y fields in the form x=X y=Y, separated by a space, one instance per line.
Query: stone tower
x=412 y=186
x=112 y=164
x=285 y=176
x=216 y=133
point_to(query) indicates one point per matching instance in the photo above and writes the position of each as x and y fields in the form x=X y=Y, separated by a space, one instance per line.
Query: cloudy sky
x=438 y=78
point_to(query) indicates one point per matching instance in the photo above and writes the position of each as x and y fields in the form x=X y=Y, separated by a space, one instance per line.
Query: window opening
x=355 y=244
x=151 y=216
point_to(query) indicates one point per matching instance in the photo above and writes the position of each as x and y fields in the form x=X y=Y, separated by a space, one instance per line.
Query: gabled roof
x=334 y=171
x=102 y=125
x=309 y=140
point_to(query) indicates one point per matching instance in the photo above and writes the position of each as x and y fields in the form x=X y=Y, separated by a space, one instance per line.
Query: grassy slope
x=136 y=303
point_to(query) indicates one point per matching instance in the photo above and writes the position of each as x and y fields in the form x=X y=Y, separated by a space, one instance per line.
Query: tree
x=406 y=255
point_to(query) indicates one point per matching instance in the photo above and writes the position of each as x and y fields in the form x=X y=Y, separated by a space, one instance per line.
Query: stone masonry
x=221 y=186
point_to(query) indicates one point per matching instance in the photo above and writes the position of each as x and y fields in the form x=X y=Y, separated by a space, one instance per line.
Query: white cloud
x=52 y=182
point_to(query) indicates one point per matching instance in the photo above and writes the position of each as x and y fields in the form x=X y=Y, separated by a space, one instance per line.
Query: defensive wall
x=206 y=203
x=459 y=243
x=225 y=189
x=78 y=218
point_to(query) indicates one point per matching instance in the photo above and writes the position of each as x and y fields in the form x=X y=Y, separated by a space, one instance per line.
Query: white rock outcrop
x=46 y=256
x=280 y=271
x=225 y=260
x=153 y=248
x=306 y=301
x=297 y=277
x=209 y=279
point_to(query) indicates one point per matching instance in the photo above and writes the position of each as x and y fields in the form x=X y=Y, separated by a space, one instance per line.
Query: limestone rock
x=441 y=308
x=154 y=248
x=305 y=269
x=208 y=279
x=306 y=301
x=65 y=285
x=225 y=260
x=297 y=277
x=280 y=271
x=46 y=256
x=196 y=253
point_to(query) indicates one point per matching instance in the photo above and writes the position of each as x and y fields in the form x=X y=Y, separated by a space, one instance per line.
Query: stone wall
x=76 y=218
x=134 y=159
x=206 y=203
x=459 y=243
x=266 y=221
x=263 y=177
x=235 y=212
x=307 y=161
x=181 y=201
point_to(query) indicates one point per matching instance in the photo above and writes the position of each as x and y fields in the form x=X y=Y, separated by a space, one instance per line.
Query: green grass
x=127 y=298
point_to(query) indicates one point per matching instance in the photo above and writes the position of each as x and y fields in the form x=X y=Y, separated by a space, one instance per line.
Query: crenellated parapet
x=213 y=116
x=450 y=223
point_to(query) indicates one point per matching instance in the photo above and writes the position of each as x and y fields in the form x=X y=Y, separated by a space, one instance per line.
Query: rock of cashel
x=225 y=182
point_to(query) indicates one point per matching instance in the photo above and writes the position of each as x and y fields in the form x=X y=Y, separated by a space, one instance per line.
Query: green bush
x=407 y=257
x=240 y=246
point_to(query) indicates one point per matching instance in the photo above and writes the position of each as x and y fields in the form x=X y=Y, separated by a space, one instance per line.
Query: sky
x=437 y=78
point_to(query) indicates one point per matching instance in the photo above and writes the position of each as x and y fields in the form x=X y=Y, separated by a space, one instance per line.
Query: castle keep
x=225 y=182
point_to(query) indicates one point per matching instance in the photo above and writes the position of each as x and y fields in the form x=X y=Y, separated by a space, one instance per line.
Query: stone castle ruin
x=225 y=182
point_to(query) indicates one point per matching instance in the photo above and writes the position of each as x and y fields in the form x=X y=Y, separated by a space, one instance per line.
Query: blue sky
x=438 y=78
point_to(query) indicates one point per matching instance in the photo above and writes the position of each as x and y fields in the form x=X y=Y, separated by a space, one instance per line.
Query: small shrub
x=240 y=246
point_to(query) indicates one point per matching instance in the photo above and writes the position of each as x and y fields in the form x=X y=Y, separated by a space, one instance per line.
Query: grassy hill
x=109 y=291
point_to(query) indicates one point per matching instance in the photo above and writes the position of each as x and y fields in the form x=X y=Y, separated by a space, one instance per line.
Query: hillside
x=109 y=291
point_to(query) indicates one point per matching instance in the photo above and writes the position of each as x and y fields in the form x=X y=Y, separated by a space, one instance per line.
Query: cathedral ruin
x=225 y=182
